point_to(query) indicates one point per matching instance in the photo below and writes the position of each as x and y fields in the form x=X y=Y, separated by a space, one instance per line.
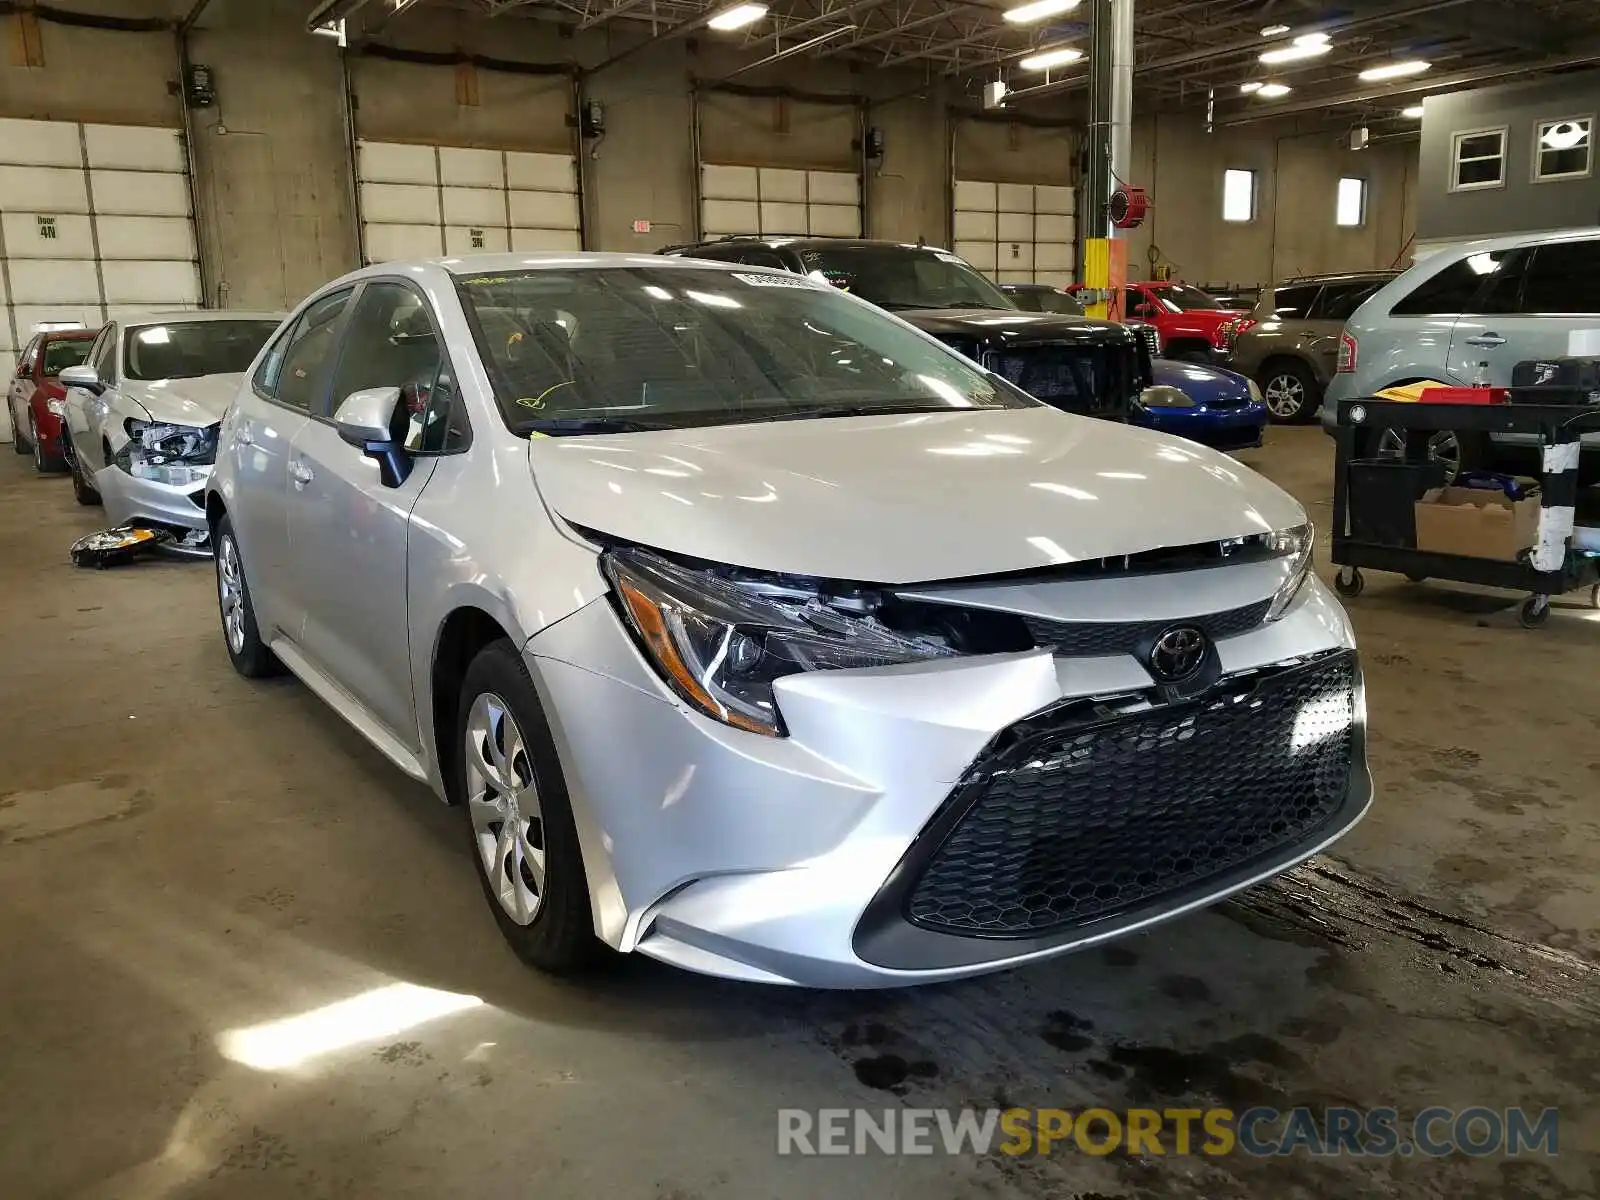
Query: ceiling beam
x=1491 y=21
x=1407 y=87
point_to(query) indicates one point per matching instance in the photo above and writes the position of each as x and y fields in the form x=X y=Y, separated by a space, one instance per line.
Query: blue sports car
x=1218 y=408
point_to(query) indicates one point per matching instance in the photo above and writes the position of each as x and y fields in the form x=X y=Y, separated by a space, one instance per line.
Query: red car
x=35 y=425
x=1189 y=320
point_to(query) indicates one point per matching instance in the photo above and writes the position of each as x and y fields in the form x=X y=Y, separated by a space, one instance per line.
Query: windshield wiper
x=857 y=410
x=559 y=426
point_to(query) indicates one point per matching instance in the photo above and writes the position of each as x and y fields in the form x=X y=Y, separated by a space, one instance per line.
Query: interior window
x=1453 y=289
x=1564 y=278
x=762 y=257
x=391 y=342
x=295 y=368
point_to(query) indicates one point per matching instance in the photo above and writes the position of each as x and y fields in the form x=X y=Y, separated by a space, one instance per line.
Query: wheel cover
x=1443 y=447
x=1285 y=396
x=503 y=802
x=230 y=591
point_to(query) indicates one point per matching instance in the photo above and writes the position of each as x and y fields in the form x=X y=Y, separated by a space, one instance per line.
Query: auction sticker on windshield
x=788 y=281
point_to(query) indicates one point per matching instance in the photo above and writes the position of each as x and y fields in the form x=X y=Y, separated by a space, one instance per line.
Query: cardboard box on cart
x=1476 y=522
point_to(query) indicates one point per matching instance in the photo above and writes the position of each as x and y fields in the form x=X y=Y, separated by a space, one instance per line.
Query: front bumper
x=131 y=499
x=777 y=859
x=1234 y=427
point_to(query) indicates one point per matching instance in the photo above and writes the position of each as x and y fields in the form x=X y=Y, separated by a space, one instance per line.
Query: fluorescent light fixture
x=738 y=16
x=1565 y=135
x=380 y=1013
x=1298 y=49
x=1395 y=70
x=1050 y=58
x=1271 y=91
x=1026 y=14
x=1413 y=113
x=1312 y=39
x=1253 y=86
x=1275 y=31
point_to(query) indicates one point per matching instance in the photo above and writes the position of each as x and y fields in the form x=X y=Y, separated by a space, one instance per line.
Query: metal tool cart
x=1374 y=498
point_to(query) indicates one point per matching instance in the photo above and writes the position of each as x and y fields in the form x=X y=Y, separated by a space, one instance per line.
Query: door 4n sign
x=47 y=228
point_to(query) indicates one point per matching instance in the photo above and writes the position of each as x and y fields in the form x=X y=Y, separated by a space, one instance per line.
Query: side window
x=391 y=342
x=30 y=357
x=762 y=257
x=1564 y=278
x=1453 y=289
x=1339 y=302
x=295 y=373
x=1502 y=290
x=1295 y=303
x=105 y=355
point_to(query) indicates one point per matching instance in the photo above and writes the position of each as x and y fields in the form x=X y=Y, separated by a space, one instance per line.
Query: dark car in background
x=1289 y=343
x=36 y=395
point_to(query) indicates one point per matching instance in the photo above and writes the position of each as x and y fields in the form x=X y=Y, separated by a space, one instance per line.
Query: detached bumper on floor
x=938 y=820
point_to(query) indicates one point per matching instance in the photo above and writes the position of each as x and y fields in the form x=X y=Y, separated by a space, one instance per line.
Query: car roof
x=1514 y=241
x=1336 y=277
x=804 y=241
x=194 y=315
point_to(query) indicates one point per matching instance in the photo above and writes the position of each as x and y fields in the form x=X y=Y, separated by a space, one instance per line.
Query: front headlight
x=1294 y=544
x=721 y=646
x=176 y=455
x=1164 y=396
x=1254 y=389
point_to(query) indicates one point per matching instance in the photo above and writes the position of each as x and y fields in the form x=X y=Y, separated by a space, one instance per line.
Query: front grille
x=1094 y=380
x=1151 y=338
x=1066 y=821
x=1086 y=639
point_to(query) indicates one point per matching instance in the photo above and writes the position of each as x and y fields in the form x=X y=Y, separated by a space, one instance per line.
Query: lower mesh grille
x=1086 y=639
x=1074 y=821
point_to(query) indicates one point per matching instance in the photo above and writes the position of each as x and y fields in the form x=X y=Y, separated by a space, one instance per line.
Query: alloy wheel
x=33 y=438
x=503 y=802
x=230 y=591
x=1285 y=396
x=1443 y=447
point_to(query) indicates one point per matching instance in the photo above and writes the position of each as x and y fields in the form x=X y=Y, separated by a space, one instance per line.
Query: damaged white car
x=141 y=415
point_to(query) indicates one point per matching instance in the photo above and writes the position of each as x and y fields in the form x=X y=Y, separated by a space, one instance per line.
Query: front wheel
x=44 y=464
x=1290 y=392
x=249 y=654
x=511 y=787
x=83 y=491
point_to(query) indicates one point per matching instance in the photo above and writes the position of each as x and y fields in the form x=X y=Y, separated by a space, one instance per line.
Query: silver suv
x=1497 y=301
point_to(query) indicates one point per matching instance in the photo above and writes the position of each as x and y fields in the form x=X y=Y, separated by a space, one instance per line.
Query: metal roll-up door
x=1015 y=203
x=95 y=222
x=772 y=164
x=438 y=176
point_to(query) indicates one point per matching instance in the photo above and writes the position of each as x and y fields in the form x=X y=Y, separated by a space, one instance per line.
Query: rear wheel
x=514 y=796
x=1290 y=392
x=1457 y=453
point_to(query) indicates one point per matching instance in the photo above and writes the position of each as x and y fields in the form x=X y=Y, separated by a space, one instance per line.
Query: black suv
x=1095 y=368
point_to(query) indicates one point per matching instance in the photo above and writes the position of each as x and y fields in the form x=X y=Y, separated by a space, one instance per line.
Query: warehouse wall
x=1297 y=174
x=276 y=215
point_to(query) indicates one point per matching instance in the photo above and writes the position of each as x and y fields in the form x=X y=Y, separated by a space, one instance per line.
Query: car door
x=348 y=523
x=20 y=394
x=291 y=377
x=1494 y=330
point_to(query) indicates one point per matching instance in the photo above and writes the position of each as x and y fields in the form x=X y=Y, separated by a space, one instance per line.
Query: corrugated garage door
x=94 y=223
x=771 y=164
x=419 y=201
x=1014 y=214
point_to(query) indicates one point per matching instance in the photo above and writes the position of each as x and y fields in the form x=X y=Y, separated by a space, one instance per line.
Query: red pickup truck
x=1189 y=320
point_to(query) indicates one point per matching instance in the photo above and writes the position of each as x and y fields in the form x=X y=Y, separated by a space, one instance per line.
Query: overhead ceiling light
x=1300 y=48
x=1564 y=136
x=1252 y=86
x=1414 y=112
x=1050 y=58
x=1026 y=14
x=1271 y=91
x=738 y=16
x=1395 y=70
x=1275 y=31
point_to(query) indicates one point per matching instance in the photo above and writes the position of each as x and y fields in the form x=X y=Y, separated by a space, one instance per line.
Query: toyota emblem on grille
x=1178 y=653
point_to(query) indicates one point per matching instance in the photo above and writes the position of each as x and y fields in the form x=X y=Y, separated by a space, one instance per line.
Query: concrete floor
x=184 y=853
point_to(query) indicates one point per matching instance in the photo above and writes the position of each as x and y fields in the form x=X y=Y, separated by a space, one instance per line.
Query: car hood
x=1013 y=326
x=1199 y=382
x=199 y=401
x=906 y=498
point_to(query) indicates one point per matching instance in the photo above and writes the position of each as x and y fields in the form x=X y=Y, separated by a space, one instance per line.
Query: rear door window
x=1453 y=290
x=1339 y=301
x=1295 y=303
x=1563 y=279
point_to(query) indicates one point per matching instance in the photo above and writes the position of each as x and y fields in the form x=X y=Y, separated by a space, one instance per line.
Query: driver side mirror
x=82 y=377
x=366 y=419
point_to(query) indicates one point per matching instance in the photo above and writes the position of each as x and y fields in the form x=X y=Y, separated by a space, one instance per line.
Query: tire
x=83 y=491
x=240 y=634
x=17 y=444
x=42 y=463
x=1290 y=391
x=542 y=904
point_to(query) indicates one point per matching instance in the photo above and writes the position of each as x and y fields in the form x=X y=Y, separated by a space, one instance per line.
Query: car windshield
x=615 y=350
x=904 y=277
x=189 y=349
x=67 y=352
x=1181 y=297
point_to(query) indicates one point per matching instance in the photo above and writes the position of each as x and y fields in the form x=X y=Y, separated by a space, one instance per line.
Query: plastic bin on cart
x=1382 y=496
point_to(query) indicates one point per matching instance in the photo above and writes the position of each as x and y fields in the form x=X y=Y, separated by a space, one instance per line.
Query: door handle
x=1486 y=341
x=301 y=474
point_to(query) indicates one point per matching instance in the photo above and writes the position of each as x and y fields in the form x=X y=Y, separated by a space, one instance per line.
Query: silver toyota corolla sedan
x=755 y=630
